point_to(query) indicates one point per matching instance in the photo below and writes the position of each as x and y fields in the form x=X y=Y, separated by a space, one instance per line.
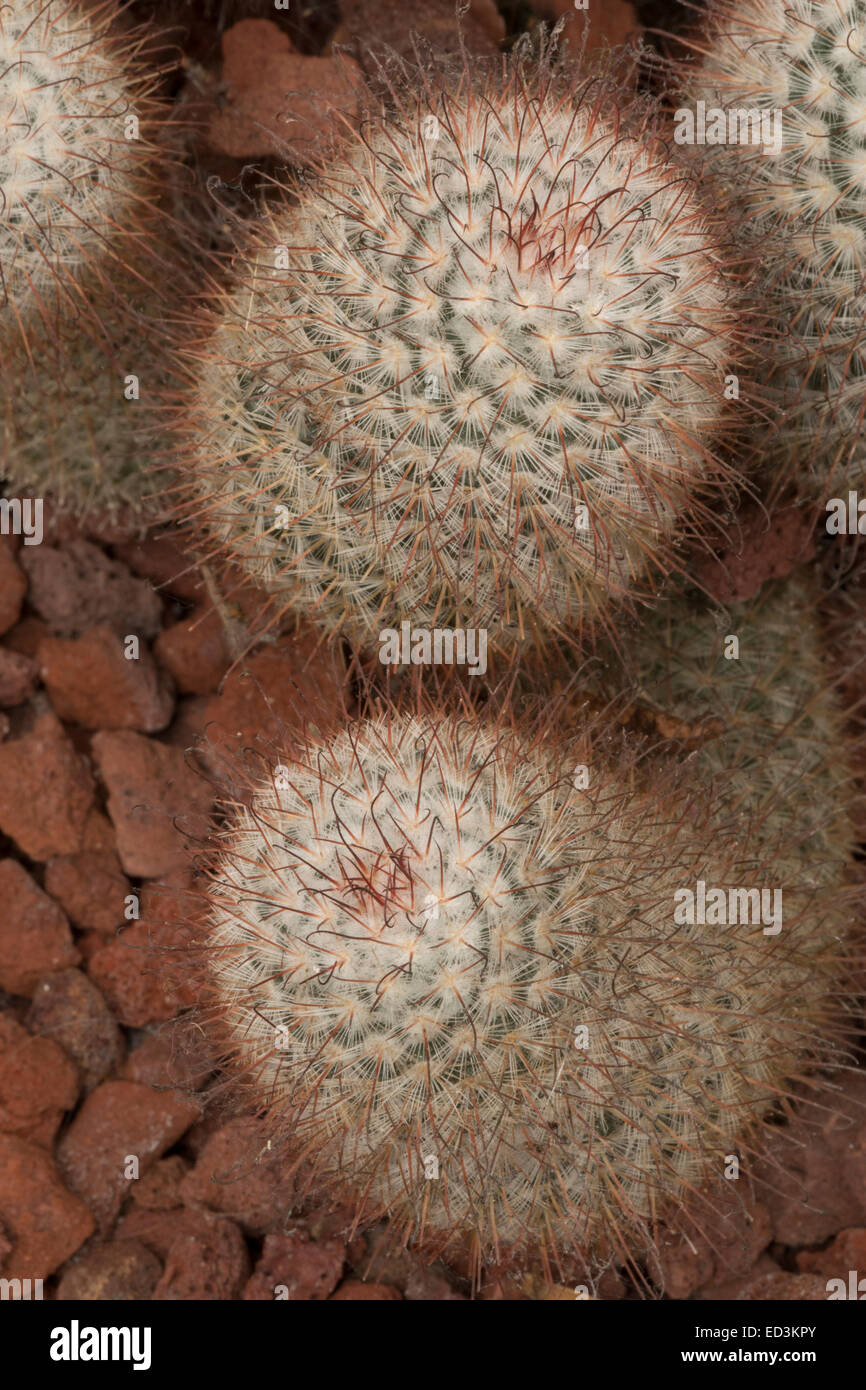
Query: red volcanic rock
x=760 y=548
x=731 y=1288
x=18 y=677
x=277 y=101
x=597 y=26
x=45 y=1222
x=373 y=27
x=718 y=1242
x=144 y=971
x=195 y=652
x=158 y=1228
x=46 y=791
x=355 y=1291
x=235 y=1175
x=79 y=587
x=271 y=695
x=159 y=1188
x=177 y=1054
x=846 y=1252
x=13 y=587
x=785 y=1288
x=119 y=1122
x=211 y=1263
x=123 y=1270
x=812 y=1178
x=167 y=565
x=38 y=1083
x=90 y=887
x=26 y=636
x=69 y=1009
x=296 y=1269
x=34 y=934
x=91 y=682
x=150 y=787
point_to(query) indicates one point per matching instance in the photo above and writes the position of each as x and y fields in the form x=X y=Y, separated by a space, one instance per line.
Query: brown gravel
x=46 y=791
x=102 y=1058
x=269 y=697
x=45 y=1221
x=13 y=587
x=69 y=1009
x=92 y=681
x=122 y=1269
x=79 y=587
x=120 y=1125
x=195 y=652
x=276 y=101
x=90 y=887
x=721 y=1241
x=34 y=933
x=236 y=1176
x=154 y=801
x=292 y=1268
x=38 y=1084
x=357 y=1292
x=213 y=1263
x=19 y=676
x=144 y=971
x=760 y=548
x=373 y=29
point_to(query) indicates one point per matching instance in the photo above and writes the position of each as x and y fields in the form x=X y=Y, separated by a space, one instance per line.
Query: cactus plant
x=753 y=681
x=804 y=207
x=75 y=160
x=445 y=964
x=475 y=370
x=82 y=419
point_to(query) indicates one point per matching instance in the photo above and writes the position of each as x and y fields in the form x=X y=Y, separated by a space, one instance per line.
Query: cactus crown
x=805 y=59
x=72 y=181
x=474 y=371
x=452 y=980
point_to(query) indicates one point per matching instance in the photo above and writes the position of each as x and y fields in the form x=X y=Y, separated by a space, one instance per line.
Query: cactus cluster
x=474 y=371
x=805 y=208
x=444 y=962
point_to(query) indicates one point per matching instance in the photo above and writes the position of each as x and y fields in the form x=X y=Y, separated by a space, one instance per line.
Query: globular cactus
x=445 y=964
x=751 y=689
x=82 y=421
x=803 y=63
x=475 y=370
x=76 y=164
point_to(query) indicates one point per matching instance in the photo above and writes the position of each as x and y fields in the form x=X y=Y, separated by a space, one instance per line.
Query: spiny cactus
x=82 y=420
x=805 y=207
x=752 y=684
x=75 y=160
x=474 y=371
x=446 y=964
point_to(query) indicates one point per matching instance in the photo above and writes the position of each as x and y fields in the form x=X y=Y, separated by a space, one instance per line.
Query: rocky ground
x=123 y=1174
